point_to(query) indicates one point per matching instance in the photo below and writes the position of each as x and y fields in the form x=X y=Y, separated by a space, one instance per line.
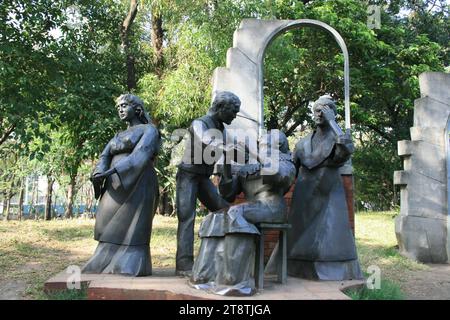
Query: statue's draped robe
x=126 y=208
x=320 y=243
x=225 y=263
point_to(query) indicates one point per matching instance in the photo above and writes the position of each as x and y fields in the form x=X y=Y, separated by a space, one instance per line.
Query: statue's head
x=130 y=106
x=318 y=106
x=274 y=139
x=225 y=106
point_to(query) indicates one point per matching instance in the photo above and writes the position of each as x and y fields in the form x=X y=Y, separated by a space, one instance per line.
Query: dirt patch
x=430 y=284
x=12 y=290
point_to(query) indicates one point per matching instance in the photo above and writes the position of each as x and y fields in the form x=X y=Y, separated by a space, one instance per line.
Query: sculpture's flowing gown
x=126 y=208
x=320 y=243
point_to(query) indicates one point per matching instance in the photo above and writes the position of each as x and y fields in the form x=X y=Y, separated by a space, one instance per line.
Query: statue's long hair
x=137 y=104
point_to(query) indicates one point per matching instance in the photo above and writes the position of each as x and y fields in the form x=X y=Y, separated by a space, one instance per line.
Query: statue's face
x=318 y=117
x=228 y=113
x=126 y=111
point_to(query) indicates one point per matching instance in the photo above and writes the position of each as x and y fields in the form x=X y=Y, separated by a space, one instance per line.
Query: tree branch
x=124 y=35
x=157 y=41
x=381 y=133
x=7 y=133
x=289 y=113
x=130 y=17
x=293 y=127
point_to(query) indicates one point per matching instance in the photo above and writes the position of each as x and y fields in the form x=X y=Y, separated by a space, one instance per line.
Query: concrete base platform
x=164 y=285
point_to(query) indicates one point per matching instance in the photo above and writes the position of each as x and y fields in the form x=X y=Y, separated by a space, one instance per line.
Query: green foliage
x=388 y=291
x=69 y=294
x=374 y=162
x=58 y=80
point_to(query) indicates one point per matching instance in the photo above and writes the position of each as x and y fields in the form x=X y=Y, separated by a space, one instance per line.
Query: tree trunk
x=48 y=198
x=70 y=196
x=125 y=32
x=7 y=210
x=33 y=197
x=157 y=41
x=272 y=121
x=21 y=194
x=4 y=204
x=165 y=204
x=89 y=200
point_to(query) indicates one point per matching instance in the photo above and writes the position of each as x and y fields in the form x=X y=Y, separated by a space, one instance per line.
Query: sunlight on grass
x=33 y=251
x=164 y=241
x=377 y=245
x=388 y=291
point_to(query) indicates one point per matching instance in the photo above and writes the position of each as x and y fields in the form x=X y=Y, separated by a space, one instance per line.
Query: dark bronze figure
x=320 y=243
x=126 y=182
x=193 y=173
x=226 y=261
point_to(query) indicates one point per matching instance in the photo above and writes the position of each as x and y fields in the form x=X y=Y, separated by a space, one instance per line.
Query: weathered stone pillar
x=422 y=226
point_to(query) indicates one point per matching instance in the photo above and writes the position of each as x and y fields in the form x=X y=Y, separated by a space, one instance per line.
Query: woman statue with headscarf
x=126 y=183
x=320 y=244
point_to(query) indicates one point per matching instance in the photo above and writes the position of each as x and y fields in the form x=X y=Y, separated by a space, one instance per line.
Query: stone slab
x=422 y=196
x=164 y=285
x=435 y=85
x=404 y=148
x=429 y=112
x=432 y=135
x=424 y=158
x=422 y=239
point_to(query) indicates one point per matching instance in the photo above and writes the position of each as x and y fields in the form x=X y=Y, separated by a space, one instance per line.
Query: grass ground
x=377 y=248
x=33 y=251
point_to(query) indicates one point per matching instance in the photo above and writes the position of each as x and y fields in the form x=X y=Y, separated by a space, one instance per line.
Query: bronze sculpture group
x=320 y=244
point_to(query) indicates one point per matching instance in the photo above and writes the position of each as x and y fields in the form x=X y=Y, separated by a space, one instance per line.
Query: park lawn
x=377 y=246
x=33 y=251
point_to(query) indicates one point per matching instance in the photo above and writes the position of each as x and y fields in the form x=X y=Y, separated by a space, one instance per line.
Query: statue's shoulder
x=149 y=129
x=303 y=141
x=207 y=120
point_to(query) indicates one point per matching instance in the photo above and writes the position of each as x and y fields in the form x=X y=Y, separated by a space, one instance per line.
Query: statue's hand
x=346 y=138
x=328 y=114
x=97 y=180
x=103 y=175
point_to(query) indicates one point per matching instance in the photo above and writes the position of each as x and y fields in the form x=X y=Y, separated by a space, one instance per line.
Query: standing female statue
x=126 y=182
x=320 y=243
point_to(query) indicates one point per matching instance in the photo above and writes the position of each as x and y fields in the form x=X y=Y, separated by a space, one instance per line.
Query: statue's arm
x=344 y=148
x=104 y=160
x=131 y=167
x=296 y=159
x=344 y=145
x=229 y=187
x=101 y=171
